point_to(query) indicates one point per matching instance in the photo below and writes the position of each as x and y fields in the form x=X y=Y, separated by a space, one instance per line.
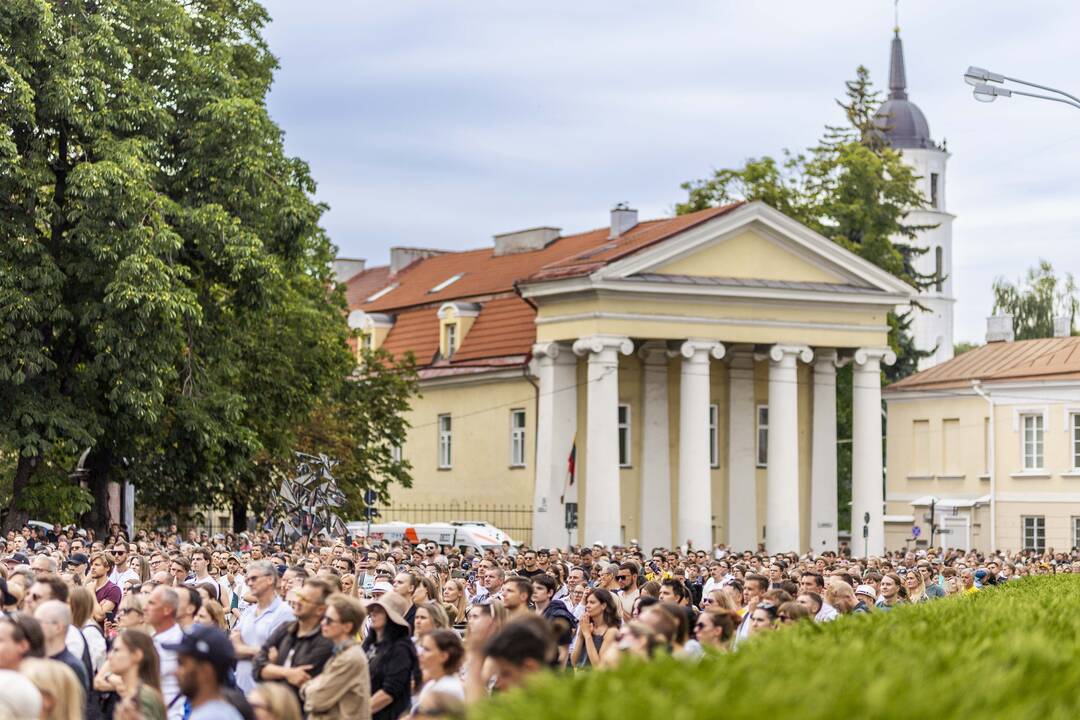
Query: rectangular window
x=369 y=341
x=1075 y=440
x=950 y=447
x=451 y=339
x=939 y=268
x=1076 y=532
x=920 y=445
x=446 y=442
x=1034 y=533
x=714 y=437
x=933 y=190
x=395 y=453
x=1033 y=441
x=624 y=436
x=763 y=436
x=517 y=438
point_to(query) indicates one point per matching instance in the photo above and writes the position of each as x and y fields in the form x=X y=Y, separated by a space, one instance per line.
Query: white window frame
x=714 y=435
x=446 y=442
x=1033 y=528
x=367 y=339
x=761 y=441
x=517 y=438
x=1033 y=456
x=1074 y=436
x=396 y=453
x=935 y=190
x=1075 y=531
x=626 y=449
x=450 y=332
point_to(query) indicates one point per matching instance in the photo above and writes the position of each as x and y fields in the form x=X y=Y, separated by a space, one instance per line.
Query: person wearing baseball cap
x=205 y=657
x=392 y=654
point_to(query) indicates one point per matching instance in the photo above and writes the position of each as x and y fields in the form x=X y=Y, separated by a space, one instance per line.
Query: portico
x=695 y=380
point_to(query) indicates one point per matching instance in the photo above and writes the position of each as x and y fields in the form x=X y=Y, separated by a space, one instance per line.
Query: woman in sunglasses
x=715 y=628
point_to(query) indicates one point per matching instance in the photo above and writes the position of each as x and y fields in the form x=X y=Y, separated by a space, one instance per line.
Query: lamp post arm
x=1075 y=99
x=1074 y=102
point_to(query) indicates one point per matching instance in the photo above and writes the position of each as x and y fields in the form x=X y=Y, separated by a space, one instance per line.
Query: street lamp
x=981 y=80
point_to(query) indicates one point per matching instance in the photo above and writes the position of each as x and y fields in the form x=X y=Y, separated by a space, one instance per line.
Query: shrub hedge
x=1009 y=652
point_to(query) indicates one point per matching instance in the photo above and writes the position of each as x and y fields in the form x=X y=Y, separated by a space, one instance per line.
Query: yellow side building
x=990 y=439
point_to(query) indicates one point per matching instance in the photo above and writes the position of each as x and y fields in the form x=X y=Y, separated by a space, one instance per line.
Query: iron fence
x=514 y=520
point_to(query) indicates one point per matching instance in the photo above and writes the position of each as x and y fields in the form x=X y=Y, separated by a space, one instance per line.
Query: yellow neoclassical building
x=992 y=439
x=684 y=367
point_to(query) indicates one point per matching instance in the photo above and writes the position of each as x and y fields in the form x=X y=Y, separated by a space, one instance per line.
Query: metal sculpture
x=307 y=504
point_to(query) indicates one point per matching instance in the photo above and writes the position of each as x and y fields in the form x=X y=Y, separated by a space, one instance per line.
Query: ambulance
x=475 y=534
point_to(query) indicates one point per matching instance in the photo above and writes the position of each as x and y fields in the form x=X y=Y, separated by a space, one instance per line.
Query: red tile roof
x=505 y=326
x=364 y=284
x=1042 y=359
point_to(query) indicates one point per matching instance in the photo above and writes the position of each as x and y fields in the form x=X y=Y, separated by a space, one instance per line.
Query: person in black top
x=392 y=661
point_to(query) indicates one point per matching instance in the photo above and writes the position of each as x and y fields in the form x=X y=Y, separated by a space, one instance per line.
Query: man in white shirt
x=161 y=609
x=259 y=620
x=814 y=582
x=121 y=572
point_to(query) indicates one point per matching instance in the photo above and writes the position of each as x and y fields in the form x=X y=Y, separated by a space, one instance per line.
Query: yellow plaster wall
x=749 y=255
x=736 y=321
x=903 y=481
x=481 y=471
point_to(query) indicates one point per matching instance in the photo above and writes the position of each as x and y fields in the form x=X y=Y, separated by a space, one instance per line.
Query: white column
x=556 y=422
x=603 y=508
x=782 y=486
x=695 y=480
x=867 y=495
x=742 y=524
x=655 y=457
x=823 y=455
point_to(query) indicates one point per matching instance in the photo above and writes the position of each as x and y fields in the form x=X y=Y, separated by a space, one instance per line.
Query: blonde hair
x=216 y=612
x=83 y=606
x=280 y=700
x=58 y=681
x=722 y=600
x=461 y=606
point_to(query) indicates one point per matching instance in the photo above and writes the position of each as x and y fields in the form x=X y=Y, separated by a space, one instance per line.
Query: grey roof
x=755 y=283
x=902 y=123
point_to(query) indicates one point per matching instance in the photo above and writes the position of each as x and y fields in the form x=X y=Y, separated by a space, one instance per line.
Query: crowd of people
x=188 y=626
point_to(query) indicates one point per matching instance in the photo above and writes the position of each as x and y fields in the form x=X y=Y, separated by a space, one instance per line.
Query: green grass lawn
x=1009 y=652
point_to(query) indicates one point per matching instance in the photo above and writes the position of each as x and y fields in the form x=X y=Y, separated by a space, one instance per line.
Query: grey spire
x=897 y=76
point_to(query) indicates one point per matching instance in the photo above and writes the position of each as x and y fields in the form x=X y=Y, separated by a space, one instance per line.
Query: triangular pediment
x=755 y=243
x=751 y=255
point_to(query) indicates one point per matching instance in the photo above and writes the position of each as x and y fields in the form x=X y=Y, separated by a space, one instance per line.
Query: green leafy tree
x=1036 y=299
x=855 y=190
x=362 y=424
x=165 y=289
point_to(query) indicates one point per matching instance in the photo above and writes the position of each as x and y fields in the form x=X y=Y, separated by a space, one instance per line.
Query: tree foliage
x=165 y=288
x=1036 y=299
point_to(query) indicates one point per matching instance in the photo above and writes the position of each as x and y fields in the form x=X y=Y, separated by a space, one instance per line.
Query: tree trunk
x=16 y=516
x=239 y=515
x=98 y=465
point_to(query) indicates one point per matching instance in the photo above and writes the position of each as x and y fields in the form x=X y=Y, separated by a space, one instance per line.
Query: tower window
x=939 y=267
x=934 y=190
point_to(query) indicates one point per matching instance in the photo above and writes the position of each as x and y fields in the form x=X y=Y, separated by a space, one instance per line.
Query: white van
x=476 y=534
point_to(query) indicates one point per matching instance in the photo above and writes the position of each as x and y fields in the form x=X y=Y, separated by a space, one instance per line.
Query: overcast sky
x=439 y=124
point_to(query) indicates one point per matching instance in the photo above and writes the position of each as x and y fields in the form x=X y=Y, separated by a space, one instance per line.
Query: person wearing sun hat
x=392 y=661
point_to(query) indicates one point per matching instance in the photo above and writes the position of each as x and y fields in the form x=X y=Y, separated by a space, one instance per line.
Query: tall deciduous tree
x=1036 y=299
x=165 y=289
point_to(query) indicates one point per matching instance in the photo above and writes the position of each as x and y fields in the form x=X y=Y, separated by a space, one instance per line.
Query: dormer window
x=446 y=283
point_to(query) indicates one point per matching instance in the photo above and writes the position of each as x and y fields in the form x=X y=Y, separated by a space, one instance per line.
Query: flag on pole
x=571 y=466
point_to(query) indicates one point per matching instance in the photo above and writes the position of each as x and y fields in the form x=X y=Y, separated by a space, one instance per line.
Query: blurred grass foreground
x=1006 y=652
